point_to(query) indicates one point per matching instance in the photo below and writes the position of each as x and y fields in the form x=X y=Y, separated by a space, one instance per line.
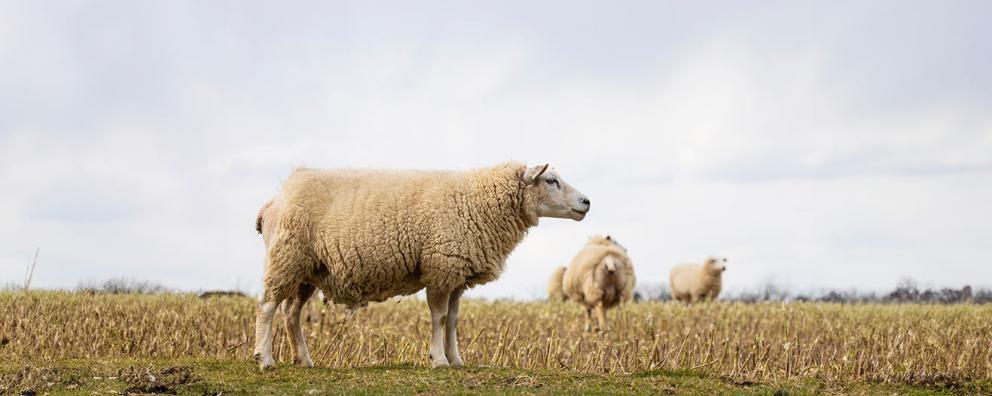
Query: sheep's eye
x=553 y=182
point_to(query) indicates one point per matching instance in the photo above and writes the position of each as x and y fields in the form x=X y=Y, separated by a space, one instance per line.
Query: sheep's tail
x=261 y=212
x=555 y=291
x=623 y=273
x=610 y=262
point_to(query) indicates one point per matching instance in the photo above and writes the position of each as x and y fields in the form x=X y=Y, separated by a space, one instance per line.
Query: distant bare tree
x=123 y=286
x=652 y=292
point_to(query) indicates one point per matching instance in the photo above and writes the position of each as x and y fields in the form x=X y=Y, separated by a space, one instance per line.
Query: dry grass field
x=76 y=342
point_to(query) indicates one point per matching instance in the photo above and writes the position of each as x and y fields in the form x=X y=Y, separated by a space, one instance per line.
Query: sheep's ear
x=534 y=172
x=609 y=238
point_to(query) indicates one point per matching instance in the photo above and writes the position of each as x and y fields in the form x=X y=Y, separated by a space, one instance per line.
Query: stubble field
x=171 y=343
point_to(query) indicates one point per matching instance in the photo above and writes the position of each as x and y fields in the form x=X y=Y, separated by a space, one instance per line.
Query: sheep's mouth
x=576 y=214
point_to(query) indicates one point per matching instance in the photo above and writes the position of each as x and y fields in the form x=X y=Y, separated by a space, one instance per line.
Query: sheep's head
x=715 y=265
x=549 y=196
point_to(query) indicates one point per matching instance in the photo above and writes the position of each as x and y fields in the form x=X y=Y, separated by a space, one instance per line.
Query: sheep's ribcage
x=356 y=277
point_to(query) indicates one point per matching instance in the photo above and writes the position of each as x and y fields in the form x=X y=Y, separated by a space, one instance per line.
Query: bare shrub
x=122 y=286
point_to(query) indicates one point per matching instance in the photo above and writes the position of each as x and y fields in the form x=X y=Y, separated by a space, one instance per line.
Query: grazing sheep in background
x=362 y=236
x=555 y=293
x=693 y=282
x=599 y=277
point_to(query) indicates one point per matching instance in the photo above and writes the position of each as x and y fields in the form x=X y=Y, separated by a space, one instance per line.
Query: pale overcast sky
x=827 y=144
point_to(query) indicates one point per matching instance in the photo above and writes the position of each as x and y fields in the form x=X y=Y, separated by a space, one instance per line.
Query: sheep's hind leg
x=588 y=319
x=297 y=341
x=437 y=301
x=277 y=286
x=451 y=330
x=266 y=309
x=601 y=316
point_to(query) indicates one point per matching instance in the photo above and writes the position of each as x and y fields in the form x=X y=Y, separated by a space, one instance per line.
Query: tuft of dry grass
x=929 y=345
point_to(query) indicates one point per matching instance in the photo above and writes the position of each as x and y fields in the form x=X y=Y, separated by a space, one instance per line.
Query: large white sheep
x=693 y=282
x=362 y=236
x=599 y=277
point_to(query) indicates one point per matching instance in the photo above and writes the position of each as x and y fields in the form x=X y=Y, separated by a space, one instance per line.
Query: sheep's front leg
x=451 y=330
x=601 y=316
x=437 y=301
x=588 y=319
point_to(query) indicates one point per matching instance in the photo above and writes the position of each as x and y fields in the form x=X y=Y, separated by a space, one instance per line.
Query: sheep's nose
x=585 y=201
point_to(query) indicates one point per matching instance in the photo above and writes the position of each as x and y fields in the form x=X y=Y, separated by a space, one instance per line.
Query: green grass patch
x=215 y=376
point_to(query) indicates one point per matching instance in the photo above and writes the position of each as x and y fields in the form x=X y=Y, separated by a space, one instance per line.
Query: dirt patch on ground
x=32 y=379
x=149 y=380
x=135 y=379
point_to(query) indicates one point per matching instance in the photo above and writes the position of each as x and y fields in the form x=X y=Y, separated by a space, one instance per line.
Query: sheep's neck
x=710 y=280
x=500 y=222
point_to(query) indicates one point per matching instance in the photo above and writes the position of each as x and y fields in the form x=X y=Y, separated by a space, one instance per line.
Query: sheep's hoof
x=456 y=362
x=439 y=362
x=305 y=362
x=264 y=362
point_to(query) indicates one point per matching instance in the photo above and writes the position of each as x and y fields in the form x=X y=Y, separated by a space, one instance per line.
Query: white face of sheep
x=717 y=265
x=555 y=198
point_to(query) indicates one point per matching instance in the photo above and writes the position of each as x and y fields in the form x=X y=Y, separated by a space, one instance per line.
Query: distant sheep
x=554 y=285
x=600 y=277
x=362 y=236
x=693 y=282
